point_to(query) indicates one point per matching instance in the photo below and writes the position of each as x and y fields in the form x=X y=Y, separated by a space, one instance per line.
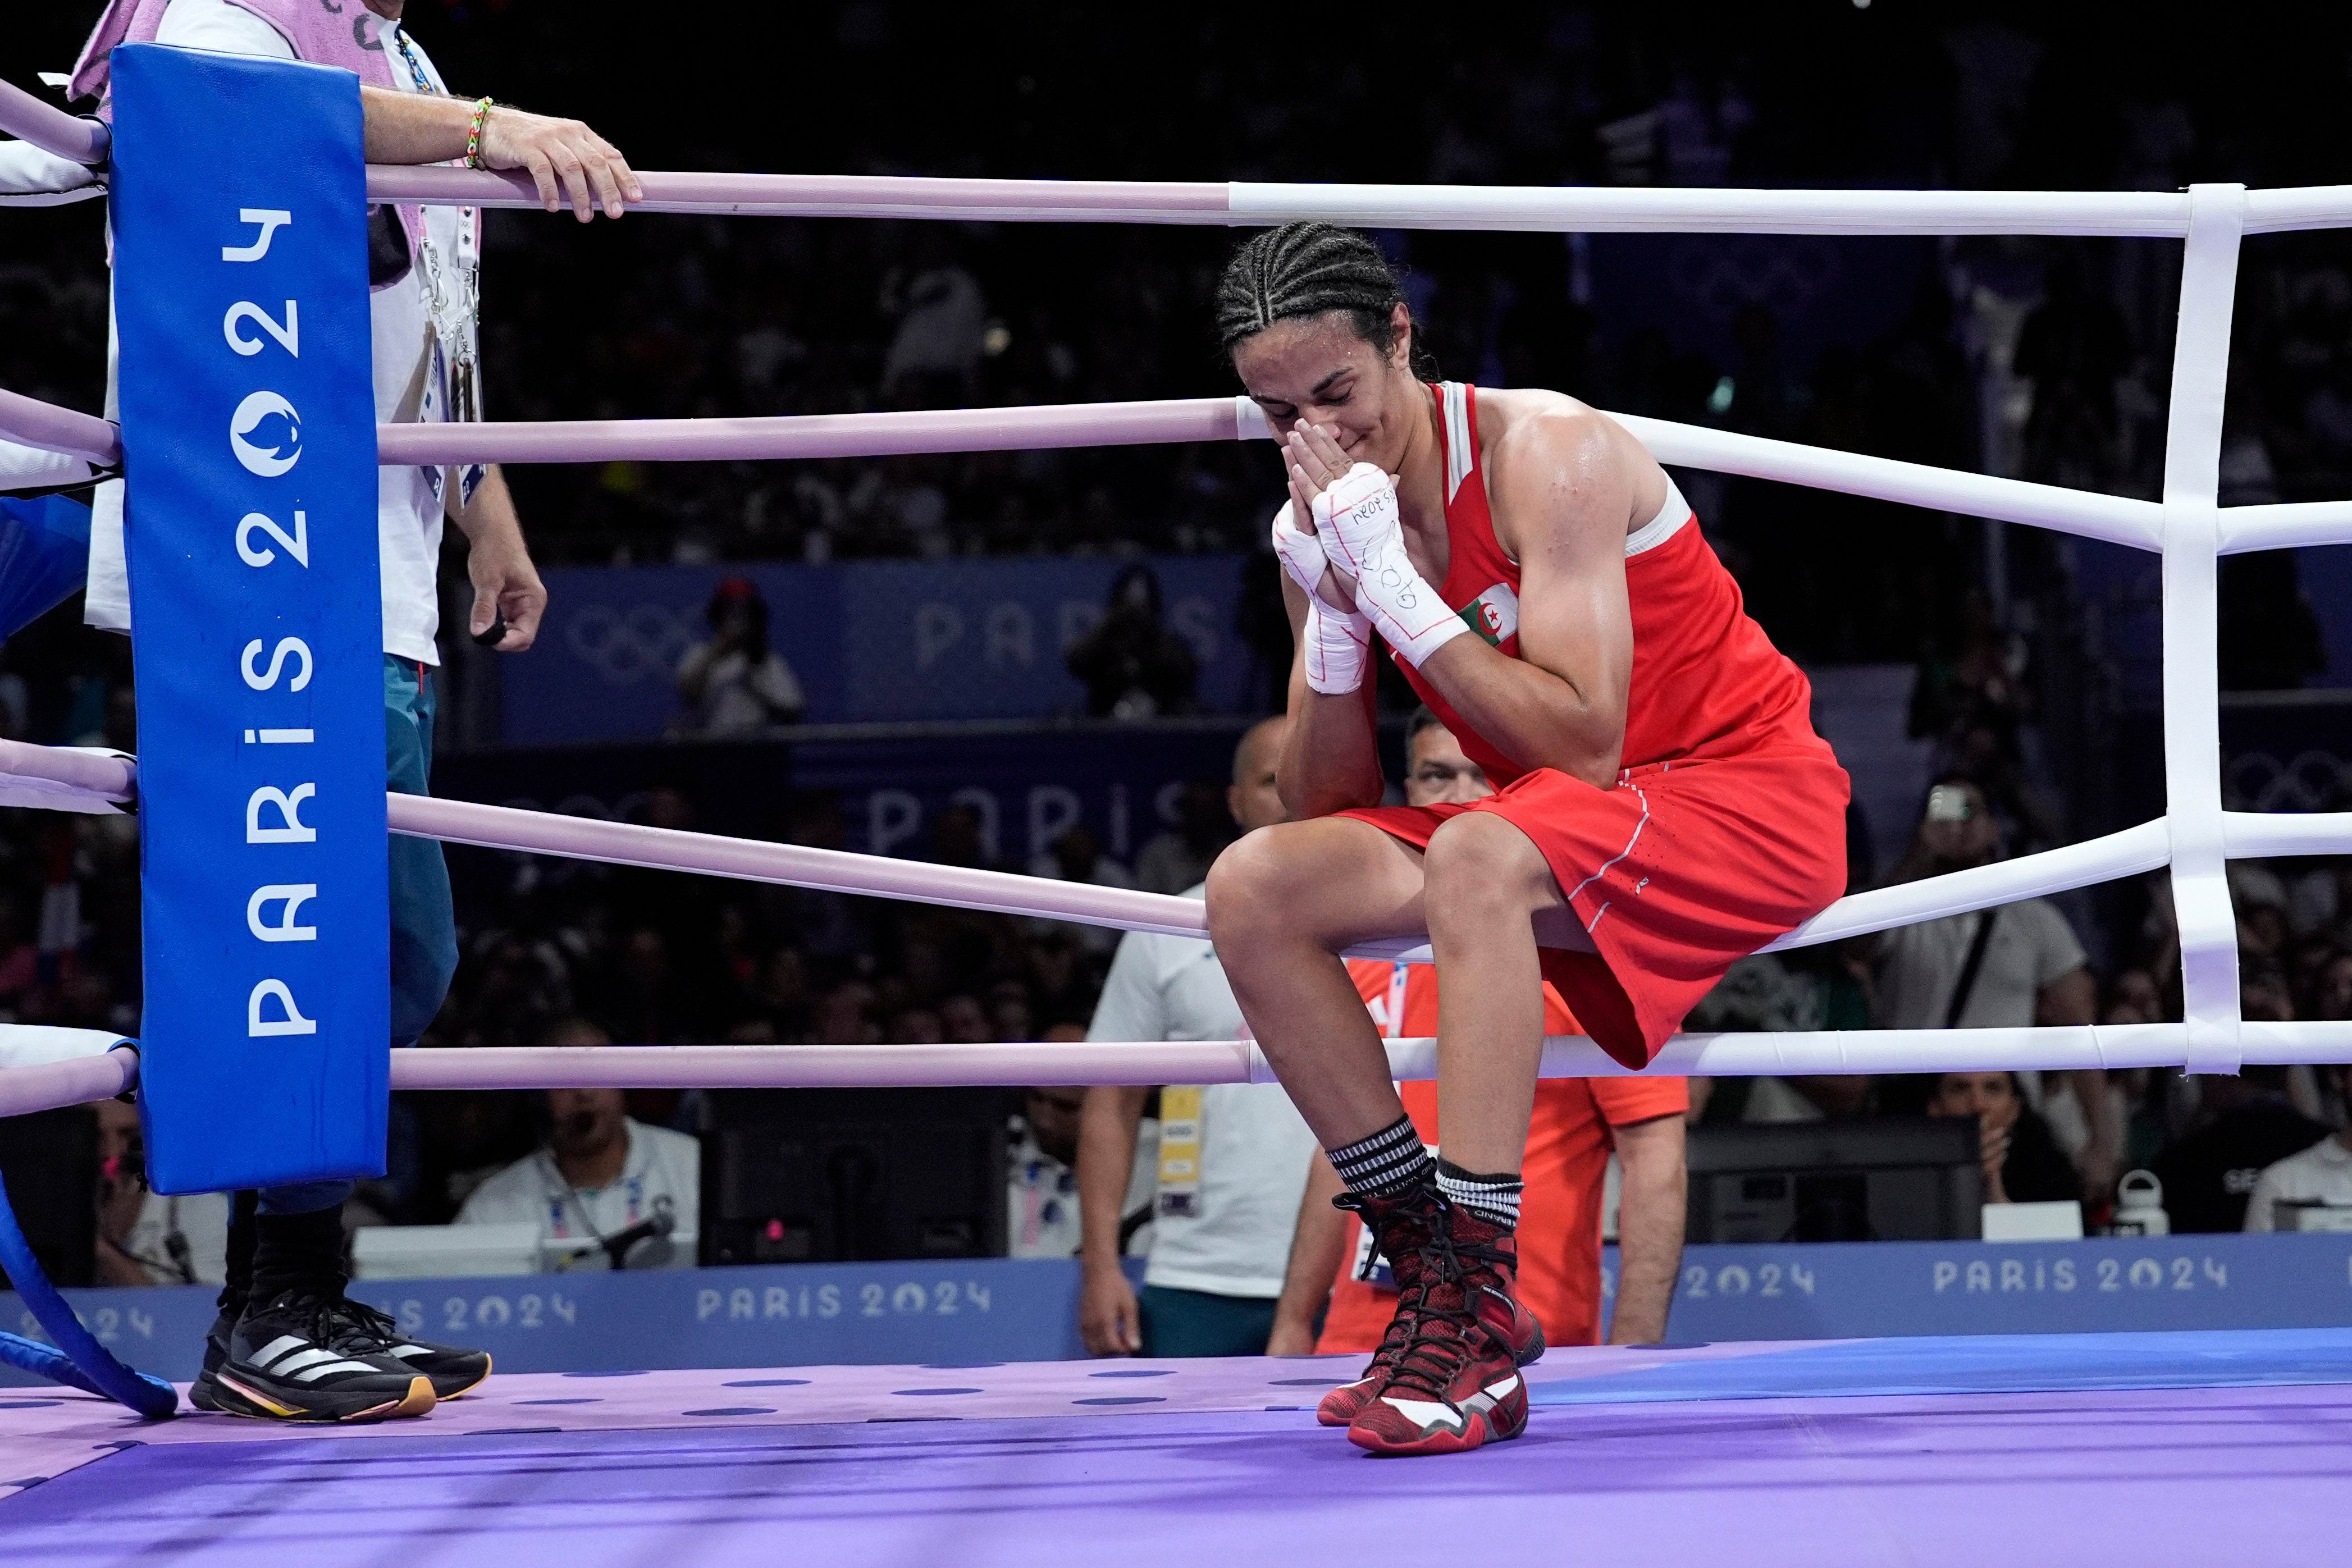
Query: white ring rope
x=2186 y=527
x=106 y=1066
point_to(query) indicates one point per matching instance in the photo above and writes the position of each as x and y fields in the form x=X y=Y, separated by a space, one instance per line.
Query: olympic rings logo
x=625 y=646
x=2259 y=782
x=1722 y=275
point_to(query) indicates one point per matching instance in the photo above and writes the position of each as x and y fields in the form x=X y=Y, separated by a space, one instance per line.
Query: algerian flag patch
x=1494 y=615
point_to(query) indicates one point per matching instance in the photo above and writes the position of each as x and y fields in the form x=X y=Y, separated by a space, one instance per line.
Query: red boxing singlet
x=1726 y=826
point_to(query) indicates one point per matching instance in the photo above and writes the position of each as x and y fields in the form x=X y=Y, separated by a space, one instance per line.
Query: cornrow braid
x=1311 y=269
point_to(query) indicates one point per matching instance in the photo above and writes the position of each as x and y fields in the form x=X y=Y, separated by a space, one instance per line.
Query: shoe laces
x=342 y=1324
x=1403 y=1324
x=1402 y=1328
x=1445 y=1329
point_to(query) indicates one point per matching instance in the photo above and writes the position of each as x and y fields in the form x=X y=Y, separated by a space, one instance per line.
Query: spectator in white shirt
x=598 y=1173
x=2321 y=1175
x=2012 y=966
x=1233 y=1156
x=736 y=684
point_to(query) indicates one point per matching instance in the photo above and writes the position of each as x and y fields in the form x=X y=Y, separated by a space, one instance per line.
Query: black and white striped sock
x=1385 y=1164
x=1494 y=1198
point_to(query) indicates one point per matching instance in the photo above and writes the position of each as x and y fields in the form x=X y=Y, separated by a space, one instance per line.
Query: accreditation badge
x=1180 y=1150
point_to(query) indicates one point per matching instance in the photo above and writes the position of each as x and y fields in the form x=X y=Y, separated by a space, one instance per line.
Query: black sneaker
x=206 y=1393
x=308 y=1354
x=451 y=1370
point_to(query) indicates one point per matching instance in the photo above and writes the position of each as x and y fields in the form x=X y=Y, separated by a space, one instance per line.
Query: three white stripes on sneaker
x=292 y=1357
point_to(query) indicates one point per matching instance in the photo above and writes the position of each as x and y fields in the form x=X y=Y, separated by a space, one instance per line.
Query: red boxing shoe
x=1402 y=1228
x=1455 y=1384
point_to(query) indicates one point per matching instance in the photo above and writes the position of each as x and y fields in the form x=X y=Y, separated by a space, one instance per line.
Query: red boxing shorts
x=1675 y=873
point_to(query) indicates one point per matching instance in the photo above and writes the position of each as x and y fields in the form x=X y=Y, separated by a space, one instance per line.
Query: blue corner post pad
x=239 y=206
x=80 y=1360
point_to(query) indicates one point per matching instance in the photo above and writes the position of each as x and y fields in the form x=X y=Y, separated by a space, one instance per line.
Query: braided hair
x=1310 y=269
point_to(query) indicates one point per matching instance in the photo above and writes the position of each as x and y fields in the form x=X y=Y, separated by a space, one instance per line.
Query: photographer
x=1133 y=665
x=736 y=684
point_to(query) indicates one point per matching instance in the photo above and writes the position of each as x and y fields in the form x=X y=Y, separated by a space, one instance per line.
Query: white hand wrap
x=1363 y=536
x=1334 y=643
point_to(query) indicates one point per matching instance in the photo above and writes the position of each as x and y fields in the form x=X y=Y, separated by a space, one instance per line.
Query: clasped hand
x=1366 y=567
x=1313 y=463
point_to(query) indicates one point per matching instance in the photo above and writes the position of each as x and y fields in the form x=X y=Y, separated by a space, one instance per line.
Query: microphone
x=653 y=1232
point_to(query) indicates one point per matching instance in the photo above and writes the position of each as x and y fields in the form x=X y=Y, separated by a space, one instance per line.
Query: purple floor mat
x=2144 y=1477
x=44 y=1433
x=2148 y=1450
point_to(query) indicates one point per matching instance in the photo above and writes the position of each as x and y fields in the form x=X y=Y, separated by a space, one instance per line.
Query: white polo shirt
x=2321 y=1174
x=408 y=520
x=200 y=1220
x=1919 y=966
x=1254 y=1148
x=660 y=1164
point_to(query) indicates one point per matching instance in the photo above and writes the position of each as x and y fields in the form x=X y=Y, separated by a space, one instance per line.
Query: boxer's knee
x=1243 y=895
x=1477 y=863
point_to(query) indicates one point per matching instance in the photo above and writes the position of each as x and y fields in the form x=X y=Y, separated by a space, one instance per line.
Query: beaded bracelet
x=474 y=134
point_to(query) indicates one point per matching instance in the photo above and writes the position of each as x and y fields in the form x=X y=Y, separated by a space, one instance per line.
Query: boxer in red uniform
x=1663 y=806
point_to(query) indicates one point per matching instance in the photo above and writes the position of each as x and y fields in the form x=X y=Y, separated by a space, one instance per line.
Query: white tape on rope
x=106 y=778
x=2119 y=519
x=37 y=1045
x=2192 y=691
x=90 y=780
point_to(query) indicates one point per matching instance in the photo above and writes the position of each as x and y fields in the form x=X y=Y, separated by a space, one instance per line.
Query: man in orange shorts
x=1333 y=1269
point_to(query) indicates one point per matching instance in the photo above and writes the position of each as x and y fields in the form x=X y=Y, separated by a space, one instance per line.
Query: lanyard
x=566 y=1200
x=453 y=388
x=408 y=53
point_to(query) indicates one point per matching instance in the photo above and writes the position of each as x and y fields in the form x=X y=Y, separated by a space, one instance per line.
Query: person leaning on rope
x=288 y=1345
